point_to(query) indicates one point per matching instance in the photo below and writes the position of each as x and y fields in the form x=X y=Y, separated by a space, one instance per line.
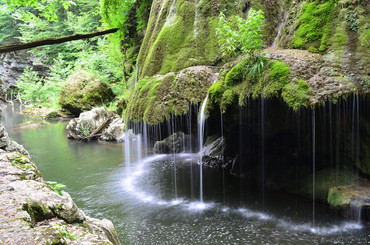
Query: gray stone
x=175 y=143
x=114 y=132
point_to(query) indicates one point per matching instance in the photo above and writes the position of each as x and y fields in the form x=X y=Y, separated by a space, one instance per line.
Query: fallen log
x=52 y=41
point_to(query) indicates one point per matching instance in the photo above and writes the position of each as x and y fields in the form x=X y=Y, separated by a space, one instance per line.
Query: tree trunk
x=57 y=40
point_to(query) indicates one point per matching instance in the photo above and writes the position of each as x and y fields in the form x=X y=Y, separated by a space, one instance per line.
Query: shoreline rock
x=32 y=213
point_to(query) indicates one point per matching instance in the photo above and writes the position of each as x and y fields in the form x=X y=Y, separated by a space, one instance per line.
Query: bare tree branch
x=57 y=40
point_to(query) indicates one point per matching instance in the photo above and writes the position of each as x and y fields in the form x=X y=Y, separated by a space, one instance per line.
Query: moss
x=314 y=24
x=171 y=42
x=240 y=84
x=228 y=99
x=237 y=73
x=155 y=99
x=277 y=78
x=37 y=211
x=325 y=180
x=296 y=94
x=53 y=114
x=82 y=92
x=336 y=198
x=216 y=91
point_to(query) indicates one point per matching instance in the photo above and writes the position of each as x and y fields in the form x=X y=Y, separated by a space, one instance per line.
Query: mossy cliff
x=182 y=33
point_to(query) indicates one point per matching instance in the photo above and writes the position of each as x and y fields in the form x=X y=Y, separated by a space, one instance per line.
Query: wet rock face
x=175 y=143
x=13 y=64
x=98 y=123
x=32 y=213
x=213 y=152
x=82 y=92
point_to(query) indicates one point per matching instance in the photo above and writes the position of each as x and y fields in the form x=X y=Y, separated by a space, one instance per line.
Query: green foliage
x=245 y=38
x=38 y=91
x=55 y=186
x=314 y=24
x=8 y=26
x=48 y=9
x=336 y=198
x=64 y=232
x=296 y=94
x=81 y=17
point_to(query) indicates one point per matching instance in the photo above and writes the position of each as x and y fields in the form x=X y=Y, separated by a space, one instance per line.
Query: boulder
x=96 y=120
x=175 y=143
x=114 y=132
x=82 y=92
x=83 y=126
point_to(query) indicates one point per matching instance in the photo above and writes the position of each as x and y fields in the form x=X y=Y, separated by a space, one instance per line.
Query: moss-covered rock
x=155 y=99
x=325 y=180
x=82 y=92
x=175 y=143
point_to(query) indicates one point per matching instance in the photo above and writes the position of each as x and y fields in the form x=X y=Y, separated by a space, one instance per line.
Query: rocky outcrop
x=13 y=64
x=31 y=212
x=97 y=123
x=176 y=143
x=82 y=92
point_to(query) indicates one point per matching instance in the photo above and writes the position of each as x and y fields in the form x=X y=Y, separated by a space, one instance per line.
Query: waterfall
x=313 y=166
x=127 y=150
x=263 y=149
x=139 y=148
x=275 y=44
x=202 y=120
x=196 y=19
x=171 y=14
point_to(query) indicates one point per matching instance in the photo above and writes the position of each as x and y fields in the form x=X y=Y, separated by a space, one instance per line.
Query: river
x=156 y=200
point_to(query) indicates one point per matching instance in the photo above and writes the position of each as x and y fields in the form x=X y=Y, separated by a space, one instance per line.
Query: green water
x=155 y=201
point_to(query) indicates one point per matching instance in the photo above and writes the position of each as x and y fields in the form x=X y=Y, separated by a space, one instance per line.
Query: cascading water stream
x=275 y=44
x=202 y=120
x=313 y=166
x=127 y=150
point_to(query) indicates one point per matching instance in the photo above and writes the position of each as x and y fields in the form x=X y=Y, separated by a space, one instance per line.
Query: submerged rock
x=98 y=122
x=82 y=92
x=175 y=143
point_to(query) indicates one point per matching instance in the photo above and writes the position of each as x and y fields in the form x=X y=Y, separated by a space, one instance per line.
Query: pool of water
x=155 y=200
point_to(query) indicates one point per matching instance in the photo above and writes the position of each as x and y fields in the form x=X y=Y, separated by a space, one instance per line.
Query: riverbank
x=33 y=213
